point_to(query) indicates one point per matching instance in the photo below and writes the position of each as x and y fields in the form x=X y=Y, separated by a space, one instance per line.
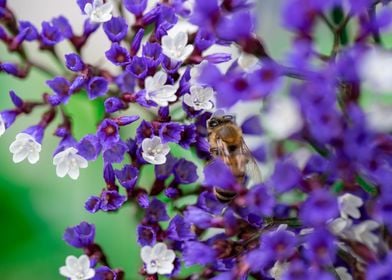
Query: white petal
x=16 y=146
x=166 y=268
x=20 y=156
x=188 y=100
x=180 y=40
x=88 y=9
x=160 y=78
x=146 y=143
x=186 y=52
x=145 y=254
x=71 y=262
x=2 y=126
x=165 y=149
x=159 y=250
x=62 y=169
x=73 y=172
x=167 y=43
x=58 y=158
x=343 y=273
x=84 y=262
x=155 y=141
x=151 y=269
x=33 y=157
x=97 y=3
x=65 y=272
x=169 y=256
x=90 y=274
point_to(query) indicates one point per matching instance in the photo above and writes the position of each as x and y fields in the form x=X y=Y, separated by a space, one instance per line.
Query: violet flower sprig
x=321 y=210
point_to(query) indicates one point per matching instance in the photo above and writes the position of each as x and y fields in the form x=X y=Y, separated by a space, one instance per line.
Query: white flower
x=200 y=98
x=176 y=47
x=283 y=118
x=154 y=151
x=157 y=91
x=98 y=11
x=69 y=162
x=363 y=233
x=2 y=125
x=340 y=226
x=158 y=259
x=343 y=273
x=248 y=62
x=375 y=70
x=77 y=268
x=278 y=269
x=349 y=205
x=378 y=116
x=25 y=146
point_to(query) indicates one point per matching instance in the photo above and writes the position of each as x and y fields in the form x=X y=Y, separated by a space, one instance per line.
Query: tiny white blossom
x=158 y=259
x=363 y=233
x=77 y=268
x=248 y=62
x=278 y=269
x=378 y=116
x=2 y=125
x=25 y=146
x=282 y=118
x=343 y=273
x=98 y=11
x=176 y=47
x=157 y=91
x=69 y=162
x=340 y=226
x=349 y=205
x=154 y=151
x=200 y=98
x=375 y=70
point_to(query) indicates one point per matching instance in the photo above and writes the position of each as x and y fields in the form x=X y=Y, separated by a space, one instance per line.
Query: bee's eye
x=213 y=123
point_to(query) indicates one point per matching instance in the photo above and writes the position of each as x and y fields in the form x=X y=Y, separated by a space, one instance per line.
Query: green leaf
x=366 y=186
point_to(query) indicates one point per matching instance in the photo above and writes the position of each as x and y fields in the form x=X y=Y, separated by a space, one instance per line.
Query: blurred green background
x=36 y=206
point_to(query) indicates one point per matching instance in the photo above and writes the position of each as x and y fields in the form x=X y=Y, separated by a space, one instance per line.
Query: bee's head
x=216 y=121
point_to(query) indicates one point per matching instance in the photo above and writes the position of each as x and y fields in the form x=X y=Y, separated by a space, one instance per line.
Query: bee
x=227 y=143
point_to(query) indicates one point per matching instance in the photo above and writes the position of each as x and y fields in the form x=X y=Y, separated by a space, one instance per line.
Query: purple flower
x=114 y=152
x=237 y=26
x=320 y=247
x=205 y=14
x=279 y=243
x=63 y=26
x=116 y=29
x=204 y=40
x=126 y=120
x=96 y=87
x=104 y=273
x=50 y=35
x=136 y=7
x=320 y=206
x=152 y=54
x=208 y=202
x=138 y=67
x=60 y=86
x=163 y=171
x=179 y=229
x=93 y=204
x=285 y=177
x=146 y=235
x=218 y=174
x=108 y=175
x=31 y=31
x=18 y=102
x=126 y=82
x=188 y=136
x=118 y=55
x=198 y=217
x=380 y=270
x=111 y=200
x=145 y=130
x=137 y=41
x=80 y=236
x=82 y=4
x=171 y=132
x=260 y=201
x=156 y=211
x=89 y=147
x=185 y=172
x=252 y=126
x=108 y=132
x=127 y=176
x=113 y=104
x=198 y=253
x=74 y=62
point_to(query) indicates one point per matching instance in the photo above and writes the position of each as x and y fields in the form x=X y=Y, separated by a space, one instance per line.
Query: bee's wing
x=252 y=169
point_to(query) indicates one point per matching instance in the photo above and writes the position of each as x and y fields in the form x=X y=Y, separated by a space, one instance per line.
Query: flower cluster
x=323 y=205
